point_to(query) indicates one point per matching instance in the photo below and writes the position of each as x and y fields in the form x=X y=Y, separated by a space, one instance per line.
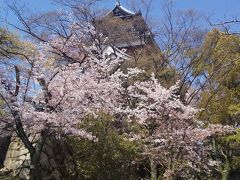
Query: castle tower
x=126 y=29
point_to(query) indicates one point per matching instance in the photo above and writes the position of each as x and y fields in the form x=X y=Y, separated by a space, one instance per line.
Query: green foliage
x=7 y=41
x=227 y=150
x=151 y=60
x=11 y=46
x=111 y=157
x=1 y=108
x=234 y=137
x=219 y=63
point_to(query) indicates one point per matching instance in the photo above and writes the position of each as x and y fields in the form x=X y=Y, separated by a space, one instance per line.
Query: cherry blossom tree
x=57 y=83
x=61 y=92
x=172 y=136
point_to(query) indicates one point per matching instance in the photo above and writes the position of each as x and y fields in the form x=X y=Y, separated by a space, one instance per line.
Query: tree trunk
x=226 y=170
x=35 y=169
x=36 y=166
x=4 y=144
x=153 y=169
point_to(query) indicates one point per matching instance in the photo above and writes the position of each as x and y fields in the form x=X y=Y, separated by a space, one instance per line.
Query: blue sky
x=221 y=9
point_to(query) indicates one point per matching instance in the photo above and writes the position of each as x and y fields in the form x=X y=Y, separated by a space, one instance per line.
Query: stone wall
x=16 y=159
x=56 y=161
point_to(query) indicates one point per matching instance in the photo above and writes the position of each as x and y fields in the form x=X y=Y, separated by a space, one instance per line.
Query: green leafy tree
x=217 y=63
x=111 y=157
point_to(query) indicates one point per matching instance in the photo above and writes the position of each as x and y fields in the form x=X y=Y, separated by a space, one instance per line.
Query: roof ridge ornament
x=118 y=3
